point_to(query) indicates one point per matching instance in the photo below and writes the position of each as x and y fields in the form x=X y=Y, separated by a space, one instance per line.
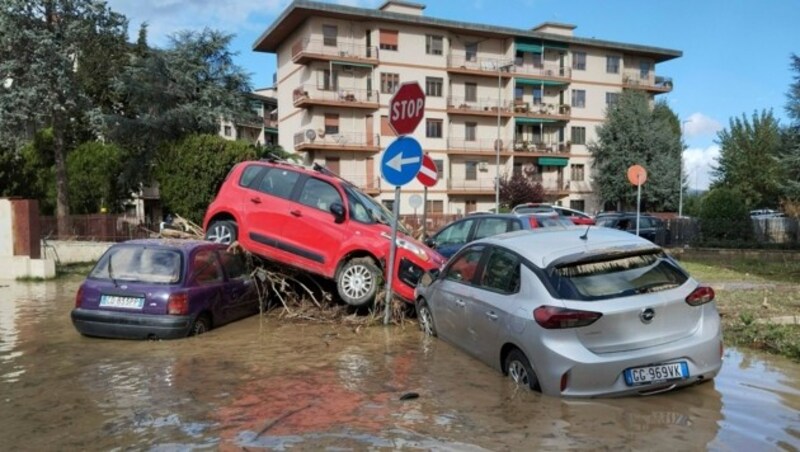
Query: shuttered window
x=331 y=123
x=388 y=39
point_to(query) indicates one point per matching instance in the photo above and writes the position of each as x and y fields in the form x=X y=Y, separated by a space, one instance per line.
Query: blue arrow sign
x=401 y=161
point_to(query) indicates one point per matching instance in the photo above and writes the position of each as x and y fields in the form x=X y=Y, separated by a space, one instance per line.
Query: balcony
x=369 y=185
x=545 y=71
x=317 y=140
x=547 y=112
x=536 y=148
x=470 y=187
x=478 y=107
x=472 y=65
x=271 y=123
x=653 y=83
x=553 y=188
x=463 y=146
x=308 y=49
x=309 y=95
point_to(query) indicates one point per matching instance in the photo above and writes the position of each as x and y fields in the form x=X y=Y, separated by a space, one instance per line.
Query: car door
x=246 y=198
x=240 y=290
x=207 y=281
x=646 y=228
x=268 y=211
x=454 y=286
x=493 y=303
x=452 y=238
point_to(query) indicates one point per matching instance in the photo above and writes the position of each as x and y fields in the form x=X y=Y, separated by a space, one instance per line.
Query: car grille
x=409 y=272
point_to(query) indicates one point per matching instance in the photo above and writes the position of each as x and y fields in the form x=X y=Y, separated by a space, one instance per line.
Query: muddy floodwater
x=262 y=384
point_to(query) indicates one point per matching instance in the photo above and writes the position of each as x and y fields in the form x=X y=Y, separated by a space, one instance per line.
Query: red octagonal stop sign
x=406 y=108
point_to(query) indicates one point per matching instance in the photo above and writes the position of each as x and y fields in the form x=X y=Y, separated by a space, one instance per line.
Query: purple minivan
x=163 y=289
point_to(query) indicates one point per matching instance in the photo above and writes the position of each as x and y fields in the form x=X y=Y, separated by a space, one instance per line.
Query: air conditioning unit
x=483 y=166
x=310 y=134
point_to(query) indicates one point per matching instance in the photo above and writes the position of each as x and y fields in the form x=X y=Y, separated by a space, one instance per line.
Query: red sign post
x=428 y=176
x=406 y=108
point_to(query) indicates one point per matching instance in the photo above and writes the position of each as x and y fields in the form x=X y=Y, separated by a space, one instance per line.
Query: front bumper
x=124 y=325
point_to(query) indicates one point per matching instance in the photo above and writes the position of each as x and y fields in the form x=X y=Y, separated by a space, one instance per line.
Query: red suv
x=313 y=220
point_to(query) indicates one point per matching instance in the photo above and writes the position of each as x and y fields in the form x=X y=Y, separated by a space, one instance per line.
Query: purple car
x=163 y=289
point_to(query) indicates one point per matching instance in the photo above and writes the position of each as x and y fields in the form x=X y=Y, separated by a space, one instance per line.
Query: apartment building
x=261 y=126
x=530 y=99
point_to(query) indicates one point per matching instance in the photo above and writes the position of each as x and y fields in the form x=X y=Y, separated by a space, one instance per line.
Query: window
x=329 y=33
x=502 y=273
x=612 y=64
x=234 y=265
x=471 y=51
x=331 y=123
x=519 y=58
x=578 y=135
x=319 y=195
x=389 y=204
x=434 y=45
x=579 y=98
x=455 y=234
x=518 y=92
x=537 y=96
x=227 y=131
x=470 y=131
x=644 y=70
x=206 y=268
x=471 y=92
x=327 y=83
x=579 y=61
x=433 y=86
x=433 y=128
x=278 y=182
x=577 y=204
x=388 y=39
x=389 y=82
x=471 y=170
x=249 y=175
x=576 y=171
x=491 y=226
x=439 y=168
x=435 y=206
x=611 y=99
x=463 y=269
x=386 y=129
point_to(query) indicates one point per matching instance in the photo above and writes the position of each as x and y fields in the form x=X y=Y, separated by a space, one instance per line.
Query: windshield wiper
x=111 y=272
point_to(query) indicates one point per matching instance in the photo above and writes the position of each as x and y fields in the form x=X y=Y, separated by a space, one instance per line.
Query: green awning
x=534 y=121
x=553 y=161
x=349 y=63
x=526 y=47
x=537 y=82
x=556 y=45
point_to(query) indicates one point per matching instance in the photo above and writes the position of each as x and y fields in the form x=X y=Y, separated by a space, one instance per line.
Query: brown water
x=261 y=384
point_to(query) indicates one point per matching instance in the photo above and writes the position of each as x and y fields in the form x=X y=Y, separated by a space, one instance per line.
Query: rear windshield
x=617 y=277
x=139 y=264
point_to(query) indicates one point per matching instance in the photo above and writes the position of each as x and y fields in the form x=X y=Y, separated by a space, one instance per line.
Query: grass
x=80 y=269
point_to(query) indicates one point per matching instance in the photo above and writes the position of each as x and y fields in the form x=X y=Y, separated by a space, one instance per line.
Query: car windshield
x=365 y=209
x=139 y=264
x=617 y=277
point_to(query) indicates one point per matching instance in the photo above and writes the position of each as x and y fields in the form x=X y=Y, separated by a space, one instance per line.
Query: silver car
x=578 y=312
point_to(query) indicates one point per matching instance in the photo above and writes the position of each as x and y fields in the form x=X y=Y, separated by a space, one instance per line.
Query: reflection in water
x=258 y=383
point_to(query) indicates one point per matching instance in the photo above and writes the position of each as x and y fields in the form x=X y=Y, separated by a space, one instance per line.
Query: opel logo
x=647 y=315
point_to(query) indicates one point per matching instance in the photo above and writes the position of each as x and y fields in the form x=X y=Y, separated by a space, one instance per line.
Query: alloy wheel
x=220 y=233
x=426 y=320
x=517 y=372
x=357 y=281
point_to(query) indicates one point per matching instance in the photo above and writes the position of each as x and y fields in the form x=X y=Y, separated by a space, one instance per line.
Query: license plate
x=114 y=301
x=655 y=374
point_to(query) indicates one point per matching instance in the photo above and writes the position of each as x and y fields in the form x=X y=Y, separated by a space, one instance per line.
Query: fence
x=686 y=231
x=96 y=227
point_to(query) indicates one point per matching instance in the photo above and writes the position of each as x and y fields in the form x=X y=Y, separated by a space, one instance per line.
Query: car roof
x=544 y=246
x=185 y=245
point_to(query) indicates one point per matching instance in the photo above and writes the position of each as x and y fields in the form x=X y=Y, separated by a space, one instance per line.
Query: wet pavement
x=261 y=384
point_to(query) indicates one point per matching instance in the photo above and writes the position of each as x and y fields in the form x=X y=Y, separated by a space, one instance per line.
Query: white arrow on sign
x=397 y=162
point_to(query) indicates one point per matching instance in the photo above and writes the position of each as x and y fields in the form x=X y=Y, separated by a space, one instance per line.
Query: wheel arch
x=505 y=350
x=355 y=254
x=222 y=215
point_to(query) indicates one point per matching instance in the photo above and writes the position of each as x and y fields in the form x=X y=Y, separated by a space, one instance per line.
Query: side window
x=464 y=267
x=206 y=268
x=514 y=225
x=249 y=175
x=491 y=226
x=234 y=265
x=278 y=182
x=455 y=234
x=319 y=194
x=502 y=272
x=644 y=222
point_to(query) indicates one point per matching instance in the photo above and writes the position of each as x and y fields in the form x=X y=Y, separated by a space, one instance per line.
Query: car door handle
x=296 y=213
x=255 y=200
x=491 y=315
x=460 y=303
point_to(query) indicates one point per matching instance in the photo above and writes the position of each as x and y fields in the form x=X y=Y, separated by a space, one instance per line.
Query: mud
x=262 y=384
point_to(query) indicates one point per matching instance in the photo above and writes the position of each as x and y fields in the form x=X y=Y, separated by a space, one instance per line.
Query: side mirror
x=430 y=242
x=337 y=209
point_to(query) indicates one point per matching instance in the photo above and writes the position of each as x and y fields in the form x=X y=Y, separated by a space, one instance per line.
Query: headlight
x=408 y=246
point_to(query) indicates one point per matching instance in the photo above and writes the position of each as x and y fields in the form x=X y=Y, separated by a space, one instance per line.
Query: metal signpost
x=401 y=162
x=637 y=176
x=428 y=176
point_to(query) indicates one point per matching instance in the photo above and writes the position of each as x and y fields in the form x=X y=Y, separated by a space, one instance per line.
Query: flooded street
x=261 y=384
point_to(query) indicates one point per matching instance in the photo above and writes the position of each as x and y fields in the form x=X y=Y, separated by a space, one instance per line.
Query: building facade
x=528 y=99
x=261 y=127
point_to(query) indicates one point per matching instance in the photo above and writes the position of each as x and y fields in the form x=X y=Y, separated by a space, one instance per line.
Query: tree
x=635 y=133
x=190 y=171
x=789 y=157
x=518 y=189
x=748 y=161
x=94 y=170
x=723 y=216
x=793 y=104
x=42 y=44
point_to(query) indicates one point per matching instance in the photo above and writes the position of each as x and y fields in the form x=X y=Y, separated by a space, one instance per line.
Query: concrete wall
x=73 y=251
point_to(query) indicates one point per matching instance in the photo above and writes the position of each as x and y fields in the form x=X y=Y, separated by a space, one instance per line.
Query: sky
x=735 y=53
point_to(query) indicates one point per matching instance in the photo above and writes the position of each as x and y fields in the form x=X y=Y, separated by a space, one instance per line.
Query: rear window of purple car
x=139 y=264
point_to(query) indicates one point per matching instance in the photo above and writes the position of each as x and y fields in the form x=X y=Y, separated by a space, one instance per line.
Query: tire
x=202 y=324
x=519 y=370
x=222 y=231
x=357 y=281
x=425 y=318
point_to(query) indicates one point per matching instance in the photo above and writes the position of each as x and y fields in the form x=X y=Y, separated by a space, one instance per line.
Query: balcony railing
x=318 y=139
x=547 y=147
x=634 y=79
x=539 y=109
x=492 y=66
x=363 y=182
x=546 y=69
x=358 y=98
x=308 y=48
x=480 y=185
x=549 y=185
x=486 y=106
x=483 y=145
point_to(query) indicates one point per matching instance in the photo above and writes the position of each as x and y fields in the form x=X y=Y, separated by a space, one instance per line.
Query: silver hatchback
x=579 y=312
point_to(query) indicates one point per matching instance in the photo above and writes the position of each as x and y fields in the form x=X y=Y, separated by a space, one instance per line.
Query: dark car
x=650 y=227
x=455 y=235
x=575 y=216
x=163 y=289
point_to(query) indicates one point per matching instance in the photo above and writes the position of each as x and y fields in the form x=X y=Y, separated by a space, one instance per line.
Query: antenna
x=586 y=234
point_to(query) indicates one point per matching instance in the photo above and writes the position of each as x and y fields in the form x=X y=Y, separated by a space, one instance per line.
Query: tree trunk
x=62 y=198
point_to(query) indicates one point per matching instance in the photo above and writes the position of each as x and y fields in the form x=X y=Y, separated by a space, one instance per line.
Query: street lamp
x=680 y=174
x=498 y=141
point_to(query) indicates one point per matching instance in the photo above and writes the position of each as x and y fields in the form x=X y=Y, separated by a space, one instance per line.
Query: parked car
x=575 y=216
x=576 y=313
x=313 y=220
x=455 y=235
x=163 y=289
x=650 y=227
x=761 y=214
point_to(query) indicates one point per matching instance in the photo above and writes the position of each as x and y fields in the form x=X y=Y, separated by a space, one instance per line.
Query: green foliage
x=519 y=189
x=793 y=103
x=723 y=216
x=190 y=171
x=94 y=181
x=748 y=160
x=692 y=204
x=37 y=176
x=633 y=133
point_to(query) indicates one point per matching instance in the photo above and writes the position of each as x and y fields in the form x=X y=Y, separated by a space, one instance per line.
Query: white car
x=576 y=312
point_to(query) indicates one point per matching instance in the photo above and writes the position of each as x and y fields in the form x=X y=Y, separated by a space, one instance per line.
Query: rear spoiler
x=601 y=255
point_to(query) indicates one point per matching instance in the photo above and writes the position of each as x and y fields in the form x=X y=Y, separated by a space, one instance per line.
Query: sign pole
x=387 y=313
x=424 y=213
x=638 y=201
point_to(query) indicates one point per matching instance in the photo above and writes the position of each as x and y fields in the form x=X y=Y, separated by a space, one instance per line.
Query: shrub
x=724 y=216
x=94 y=170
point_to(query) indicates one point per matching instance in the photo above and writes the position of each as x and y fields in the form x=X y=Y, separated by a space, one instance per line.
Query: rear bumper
x=123 y=325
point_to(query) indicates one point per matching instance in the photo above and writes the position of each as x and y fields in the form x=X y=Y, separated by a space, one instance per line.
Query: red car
x=576 y=216
x=313 y=220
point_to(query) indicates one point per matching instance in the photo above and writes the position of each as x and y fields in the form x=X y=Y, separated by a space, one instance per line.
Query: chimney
x=401 y=7
x=555 y=28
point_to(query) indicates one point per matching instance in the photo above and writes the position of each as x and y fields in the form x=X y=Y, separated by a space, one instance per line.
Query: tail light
x=79 y=297
x=178 y=304
x=701 y=295
x=564 y=381
x=532 y=221
x=554 y=318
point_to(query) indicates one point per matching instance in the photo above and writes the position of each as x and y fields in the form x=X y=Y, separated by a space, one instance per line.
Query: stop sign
x=406 y=108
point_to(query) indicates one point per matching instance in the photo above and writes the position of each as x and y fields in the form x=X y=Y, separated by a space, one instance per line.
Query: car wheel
x=202 y=324
x=520 y=371
x=425 y=318
x=222 y=231
x=357 y=282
